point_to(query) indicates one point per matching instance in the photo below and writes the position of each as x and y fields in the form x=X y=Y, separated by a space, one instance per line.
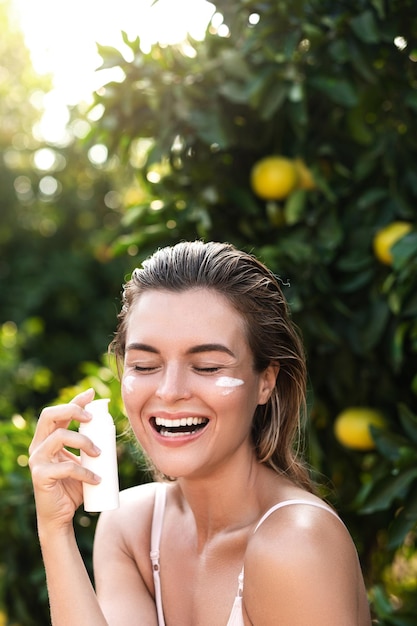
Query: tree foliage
x=335 y=86
x=58 y=303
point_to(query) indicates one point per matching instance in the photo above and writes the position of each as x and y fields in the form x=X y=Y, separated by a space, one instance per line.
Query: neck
x=229 y=501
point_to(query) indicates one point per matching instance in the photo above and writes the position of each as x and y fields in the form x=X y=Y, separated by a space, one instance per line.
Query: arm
x=122 y=566
x=57 y=480
x=71 y=595
x=302 y=568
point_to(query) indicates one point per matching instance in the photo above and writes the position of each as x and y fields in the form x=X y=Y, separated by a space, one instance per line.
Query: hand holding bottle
x=57 y=473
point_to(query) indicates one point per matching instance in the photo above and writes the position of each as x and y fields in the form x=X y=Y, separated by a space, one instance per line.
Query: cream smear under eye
x=228 y=384
x=127 y=383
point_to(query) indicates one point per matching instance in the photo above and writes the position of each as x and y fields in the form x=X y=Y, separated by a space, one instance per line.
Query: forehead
x=195 y=312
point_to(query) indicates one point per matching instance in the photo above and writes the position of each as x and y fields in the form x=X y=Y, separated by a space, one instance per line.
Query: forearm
x=73 y=601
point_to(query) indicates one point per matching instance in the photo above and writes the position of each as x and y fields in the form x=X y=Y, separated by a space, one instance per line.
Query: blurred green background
x=165 y=154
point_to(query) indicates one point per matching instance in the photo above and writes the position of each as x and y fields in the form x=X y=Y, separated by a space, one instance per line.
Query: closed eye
x=144 y=368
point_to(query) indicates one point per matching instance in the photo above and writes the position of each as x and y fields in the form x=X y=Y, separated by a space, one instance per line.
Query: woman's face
x=189 y=386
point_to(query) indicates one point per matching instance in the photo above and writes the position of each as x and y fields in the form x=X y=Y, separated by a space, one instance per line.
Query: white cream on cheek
x=228 y=384
x=127 y=383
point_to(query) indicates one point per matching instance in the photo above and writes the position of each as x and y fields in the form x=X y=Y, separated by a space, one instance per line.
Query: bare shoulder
x=302 y=565
x=304 y=527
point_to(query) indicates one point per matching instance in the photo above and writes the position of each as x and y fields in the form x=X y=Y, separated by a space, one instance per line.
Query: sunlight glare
x=62 y=37
x=169 y=21
x=98 y=154
x=44 y=159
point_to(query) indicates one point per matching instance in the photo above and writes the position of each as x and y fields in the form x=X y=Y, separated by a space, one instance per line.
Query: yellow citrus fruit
x=387 y=237
x=305 y=176
x=274 y=177
x=352 y=427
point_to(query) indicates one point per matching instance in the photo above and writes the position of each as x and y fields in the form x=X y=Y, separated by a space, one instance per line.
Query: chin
x=177 y=471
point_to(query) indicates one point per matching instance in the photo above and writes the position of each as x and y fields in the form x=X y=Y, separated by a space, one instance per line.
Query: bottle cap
x=99 y=410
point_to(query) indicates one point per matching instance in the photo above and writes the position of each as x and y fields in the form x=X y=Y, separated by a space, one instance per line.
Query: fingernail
x=97 y=449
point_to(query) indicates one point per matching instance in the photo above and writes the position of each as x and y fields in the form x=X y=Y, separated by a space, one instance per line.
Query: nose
x=173 y=384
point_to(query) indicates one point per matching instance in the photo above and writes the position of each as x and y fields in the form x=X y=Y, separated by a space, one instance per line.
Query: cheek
x=132 y=403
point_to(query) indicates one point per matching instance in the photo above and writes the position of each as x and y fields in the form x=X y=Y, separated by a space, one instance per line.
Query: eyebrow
x=210 y=347
x=204 y=347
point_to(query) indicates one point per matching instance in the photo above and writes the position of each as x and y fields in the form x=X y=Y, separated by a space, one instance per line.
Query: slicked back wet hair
x=256 y=294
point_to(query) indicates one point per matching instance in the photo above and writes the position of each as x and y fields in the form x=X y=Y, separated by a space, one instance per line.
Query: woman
x=213 y=383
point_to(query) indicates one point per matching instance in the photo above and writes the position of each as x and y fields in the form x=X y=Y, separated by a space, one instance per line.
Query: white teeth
x=168 y=433
x=184 y=421
x=166 y=427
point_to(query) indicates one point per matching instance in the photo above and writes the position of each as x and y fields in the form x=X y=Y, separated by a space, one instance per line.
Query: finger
x=83 y=398
x=60 y=416
x=47 y=474
x=61 y=439
x=51 y=462
x=57 y=442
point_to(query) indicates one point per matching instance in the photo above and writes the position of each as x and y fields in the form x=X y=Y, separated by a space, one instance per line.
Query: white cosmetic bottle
x=101 y=430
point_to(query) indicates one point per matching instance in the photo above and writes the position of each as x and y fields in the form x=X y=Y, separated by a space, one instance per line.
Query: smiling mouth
x=178 y=427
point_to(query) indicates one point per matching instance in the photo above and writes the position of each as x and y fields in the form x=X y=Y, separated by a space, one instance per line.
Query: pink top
x=236 y=616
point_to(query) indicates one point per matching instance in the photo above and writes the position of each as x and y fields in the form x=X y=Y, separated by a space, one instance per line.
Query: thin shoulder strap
x=288 y=502
x=157 y=521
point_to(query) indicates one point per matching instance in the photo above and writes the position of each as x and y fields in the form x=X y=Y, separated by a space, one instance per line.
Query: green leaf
x=404 y=521
x=379 y=6
x=339 y=50
x=234 y=64
x=365 y=27
x=320 y=328
x=234 y=91
x=295 y=206
x=134 y=214
x=357 y=281
x=388 y=443
x=381 y=602
x=398 y=531
x=362 y=66
x=209 y=127
x=375 y=325
x=258 y=84
x=111 y=56
x=388 y=490
x=354 y=261
x=410 y=509
x=398 y=345
x=410 y=307
x=358 y=127
x=411 y=100
x=404 y=250
x=371 y=197
x=291 y=42
x=339 y=90
x=273 y=100
x=408 y=422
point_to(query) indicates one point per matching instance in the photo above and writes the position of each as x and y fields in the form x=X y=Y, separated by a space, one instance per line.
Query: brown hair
x=255 y=292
